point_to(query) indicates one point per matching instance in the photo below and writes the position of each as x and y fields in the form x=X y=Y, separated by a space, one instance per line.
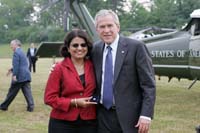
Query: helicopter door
x=194 y=49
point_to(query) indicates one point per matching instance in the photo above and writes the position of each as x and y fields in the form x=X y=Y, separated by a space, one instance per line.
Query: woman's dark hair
x=69 y=37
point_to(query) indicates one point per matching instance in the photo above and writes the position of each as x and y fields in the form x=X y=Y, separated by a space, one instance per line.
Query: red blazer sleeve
x=52 y=91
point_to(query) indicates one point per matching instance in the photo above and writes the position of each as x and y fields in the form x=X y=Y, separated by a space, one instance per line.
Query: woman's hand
x=84 y=102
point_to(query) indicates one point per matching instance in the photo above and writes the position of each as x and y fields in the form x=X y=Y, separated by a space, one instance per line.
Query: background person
x=32 y=57
x=125 y=79
x=70 y=87
x=21 y=78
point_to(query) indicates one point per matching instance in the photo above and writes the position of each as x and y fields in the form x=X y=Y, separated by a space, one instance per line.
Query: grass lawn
x=17 y=119
x=177 y=109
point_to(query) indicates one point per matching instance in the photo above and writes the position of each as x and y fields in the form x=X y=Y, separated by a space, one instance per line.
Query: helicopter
x=175 y=53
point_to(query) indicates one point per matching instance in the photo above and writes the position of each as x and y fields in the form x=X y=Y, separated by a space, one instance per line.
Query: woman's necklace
x=80 y=69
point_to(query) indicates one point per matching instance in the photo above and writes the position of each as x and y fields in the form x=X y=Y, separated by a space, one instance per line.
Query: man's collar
x=114 y=44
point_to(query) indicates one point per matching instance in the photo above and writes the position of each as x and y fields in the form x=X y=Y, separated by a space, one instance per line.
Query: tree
x=14 y=15
x=136 y=17
x=50 y=14
x=172 y=13
x=184 y=9
x=163 y=13
x=96 y=5
x=17 y=21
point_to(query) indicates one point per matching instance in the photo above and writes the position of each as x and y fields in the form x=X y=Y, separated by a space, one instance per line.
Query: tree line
x=42 y=20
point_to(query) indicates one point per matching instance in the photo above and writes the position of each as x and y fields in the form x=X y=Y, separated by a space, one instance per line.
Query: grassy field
x=177 y=109
x=17 y=119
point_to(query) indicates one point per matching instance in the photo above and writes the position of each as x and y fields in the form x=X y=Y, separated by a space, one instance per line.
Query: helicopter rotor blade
x=66 y=15
x=49 y=5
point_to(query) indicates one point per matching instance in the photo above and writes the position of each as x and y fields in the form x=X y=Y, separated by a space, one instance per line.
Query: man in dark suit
x=31 y=57
x=124 y=72
x=21 y=78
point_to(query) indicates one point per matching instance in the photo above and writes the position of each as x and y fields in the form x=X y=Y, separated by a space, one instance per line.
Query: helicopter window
x=197 y=28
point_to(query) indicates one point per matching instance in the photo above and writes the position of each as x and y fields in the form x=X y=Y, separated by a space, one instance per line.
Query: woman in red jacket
x=70 y=87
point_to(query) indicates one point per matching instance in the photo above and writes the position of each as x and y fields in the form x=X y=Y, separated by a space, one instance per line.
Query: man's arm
x=147 y=83
x=9 y=72
x=15 y=63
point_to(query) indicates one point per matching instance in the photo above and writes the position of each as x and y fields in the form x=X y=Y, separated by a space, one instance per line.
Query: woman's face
x=78 y=48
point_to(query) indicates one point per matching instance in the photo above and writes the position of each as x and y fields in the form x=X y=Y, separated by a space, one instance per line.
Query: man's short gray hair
x=105 y=12
x=17 y=42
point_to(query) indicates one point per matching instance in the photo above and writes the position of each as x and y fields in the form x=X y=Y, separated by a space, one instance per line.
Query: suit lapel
x=98 y=64
x=121 y=53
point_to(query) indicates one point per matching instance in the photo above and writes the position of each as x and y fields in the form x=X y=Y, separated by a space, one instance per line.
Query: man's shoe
x=30 y=109
x=3 y=109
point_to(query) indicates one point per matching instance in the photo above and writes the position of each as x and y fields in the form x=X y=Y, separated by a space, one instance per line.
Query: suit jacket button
x=81 y=94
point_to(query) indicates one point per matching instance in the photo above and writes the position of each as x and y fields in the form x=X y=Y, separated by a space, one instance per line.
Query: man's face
x=13 y=46
x=32 y=45
x=107 y=28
